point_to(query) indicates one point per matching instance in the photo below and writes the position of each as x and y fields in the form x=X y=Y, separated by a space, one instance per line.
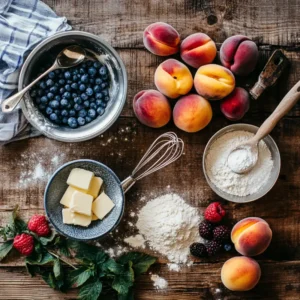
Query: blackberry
x=221 y=233
x=206 y=230
x=213 y=247
x=198 y=250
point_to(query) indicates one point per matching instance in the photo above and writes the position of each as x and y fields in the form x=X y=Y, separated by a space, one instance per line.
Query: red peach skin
x=152 y=108
x=161 y=39
x=197 y=50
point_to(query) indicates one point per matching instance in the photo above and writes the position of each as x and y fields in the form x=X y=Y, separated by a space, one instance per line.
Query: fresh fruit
x=152 y=108
x=236 y=104
x=214 y=82
x=192 y=113
x=221 y=233
x=198 y=49
x=24 y=243
x=240 y=273
x=198 y=250
x=213 y=247
x=173 y=78
x=239 y=54
x=227 y=247
x=39 y=225
x=251 y=236
x=214 y=213
x=161 y=39
x=206 y=230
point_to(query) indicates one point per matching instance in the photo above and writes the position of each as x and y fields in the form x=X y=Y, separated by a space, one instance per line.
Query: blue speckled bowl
x=57 y=186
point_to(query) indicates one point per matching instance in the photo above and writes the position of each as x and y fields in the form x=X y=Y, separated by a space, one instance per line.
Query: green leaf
x=141 y=262
x=124 y=281
x=57 y=269
x=5 y=248
x=90 y=291
x=128 y=296
x=46 y=240
x=31 y=269
x=101 y=257
x=83 y=251
x=49 y=279
x=78 y=277
x=46 y=258
x=112 y=266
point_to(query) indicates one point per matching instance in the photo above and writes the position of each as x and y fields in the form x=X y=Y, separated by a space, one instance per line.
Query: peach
x=214 y=82
x=197 y=50
x=239 y=54
x=173 y=78
x=152 y=108
x=236 y=104
x=161 y=39
x=240 y=273
x=251 y=236
x=192 y=113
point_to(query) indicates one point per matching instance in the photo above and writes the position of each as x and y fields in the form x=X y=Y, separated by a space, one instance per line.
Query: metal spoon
x=67 y=58
x=244 y=157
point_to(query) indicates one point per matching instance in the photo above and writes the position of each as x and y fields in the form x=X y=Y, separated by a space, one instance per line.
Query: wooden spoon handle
x=289 y=100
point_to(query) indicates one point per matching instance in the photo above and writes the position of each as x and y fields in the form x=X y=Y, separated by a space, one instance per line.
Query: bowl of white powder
x=234 y=187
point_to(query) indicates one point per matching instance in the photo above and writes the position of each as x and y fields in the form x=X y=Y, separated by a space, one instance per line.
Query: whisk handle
x=127 y=183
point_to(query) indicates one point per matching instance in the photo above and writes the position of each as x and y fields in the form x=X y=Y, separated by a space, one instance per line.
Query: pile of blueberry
x=73 y=97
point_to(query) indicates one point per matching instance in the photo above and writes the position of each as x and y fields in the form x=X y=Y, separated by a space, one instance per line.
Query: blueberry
x=79 y=76
x=77 y=100
x=42 y=85
x=103 y=70
x=61 y=90
x=72 y=122
x=75 y=78
x=72 y=112
x=84 y=65
x=54 y=89
x=54 y=104
x=33 y=93
x=92 y=71
x=69 y=81
x=49 y=110
x=84 y=78
x=105 y=92
x=75 y=72
x=61 y=81
x=82 y=87
x=81 y=71
x=99 y=96
x=86 y=104
x=68 y=88
x=65 y=120
x=103 y=104
x=92 y=81
x=93 y=105
x=84 y=96
x=97 y=64
x=106 y=99
x=78 y=107
x=51 y=75
x=67 y=75
x=104 y=77
x=57 y=97
x=67 y=95
x=58 y=71
x=227 y=247
x=89 y=63
x=49 y=82
x=82 y=113
x=100 y=111
x=92 y=99
x=98 y=102
x=64 y=102
x=64 y=113
x=97 y=88
x=38 y=100
x=61 y=75
x=98 y=81
x=40 y=92
x=74 y=86
x=89 y=91
x=44 y=100
x=42 y=106
x=50 y=96
x=53 y=117
x=92 y=113
x=81 y=121
x=88 y=119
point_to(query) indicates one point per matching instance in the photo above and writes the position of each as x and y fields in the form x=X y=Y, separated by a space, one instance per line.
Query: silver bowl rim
x=216 y=189
x=45 y=42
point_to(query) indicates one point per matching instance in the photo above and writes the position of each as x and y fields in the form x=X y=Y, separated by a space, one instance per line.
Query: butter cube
x=80 y=178
x=95 y=187
x=94 y=217
x=81 y=203
x=67 y=197
x=70 y=217
x=67 y=216
x=102 y=206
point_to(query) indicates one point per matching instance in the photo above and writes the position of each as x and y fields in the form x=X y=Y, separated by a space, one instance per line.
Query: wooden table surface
x=272 y=24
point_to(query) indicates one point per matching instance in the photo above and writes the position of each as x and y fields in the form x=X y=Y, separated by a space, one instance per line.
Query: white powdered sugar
x=170 y=226
x=228 y=181
x=159 y=282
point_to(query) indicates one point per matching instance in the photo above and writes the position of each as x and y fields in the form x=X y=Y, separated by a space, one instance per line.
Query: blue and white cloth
x=23 y=24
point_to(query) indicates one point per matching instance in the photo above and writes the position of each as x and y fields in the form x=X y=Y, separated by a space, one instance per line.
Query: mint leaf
x=83 y=251
x=124 y=281
x=46 y=258
x=57 y=269
x=62 y=245
x=45 y=240
x=49 y=279
x=78 y=277
x=5 y=248
x=112 y=266
x=128 y=296
x=90 y=291
x=141 y=262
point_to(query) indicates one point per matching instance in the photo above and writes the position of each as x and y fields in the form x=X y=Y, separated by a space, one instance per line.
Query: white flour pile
x=170 y=226
x=136 y=241
x=159 y=282
x=224 y=178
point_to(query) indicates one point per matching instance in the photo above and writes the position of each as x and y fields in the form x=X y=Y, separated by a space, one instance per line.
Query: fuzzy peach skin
x=192 y=113
x=239 y=54
x=173 y=78
x=152 y=108
x=214 y=82
x=161 y=39
x=251 y=236
x=240 y=273
x=198 y=49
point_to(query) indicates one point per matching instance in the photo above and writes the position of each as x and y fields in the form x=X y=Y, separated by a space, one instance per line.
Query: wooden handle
x=289 y=100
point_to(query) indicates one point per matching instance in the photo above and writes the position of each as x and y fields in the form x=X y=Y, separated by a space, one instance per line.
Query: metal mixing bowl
x=274 y=174
x=44 y=54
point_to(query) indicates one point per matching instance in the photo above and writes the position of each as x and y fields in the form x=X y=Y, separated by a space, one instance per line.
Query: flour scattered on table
x=132 y=214
x=174 y=267
x=136 y=241
x=159 y=282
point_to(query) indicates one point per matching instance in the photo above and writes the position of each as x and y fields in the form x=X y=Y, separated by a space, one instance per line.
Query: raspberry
x=213 y=247
x=206 y=230
x=39 y=225
x=221 y=233
x=214 y=212
x=24 y=243
x=198 y=249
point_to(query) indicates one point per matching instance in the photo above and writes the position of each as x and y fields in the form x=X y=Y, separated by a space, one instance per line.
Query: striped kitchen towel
x=23 y=24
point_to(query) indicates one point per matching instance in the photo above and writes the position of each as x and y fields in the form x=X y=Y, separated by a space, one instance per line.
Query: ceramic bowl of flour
x=234 y=187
